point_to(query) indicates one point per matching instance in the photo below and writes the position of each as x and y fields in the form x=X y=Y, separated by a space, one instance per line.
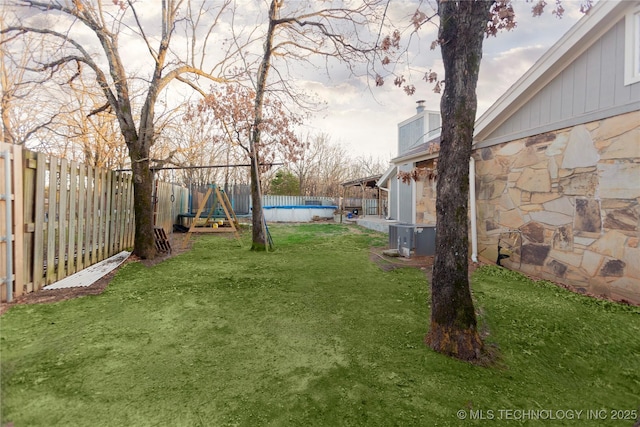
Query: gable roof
x=600 y=19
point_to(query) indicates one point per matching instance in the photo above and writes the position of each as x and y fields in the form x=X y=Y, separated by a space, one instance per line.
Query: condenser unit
x=419 y=239
x=425 y=239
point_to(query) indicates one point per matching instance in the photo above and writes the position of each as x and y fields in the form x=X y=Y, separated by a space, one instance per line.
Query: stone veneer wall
x=574 y=196
x=426 y=198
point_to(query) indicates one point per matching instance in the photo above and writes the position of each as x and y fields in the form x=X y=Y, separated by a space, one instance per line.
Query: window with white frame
x=632 y=47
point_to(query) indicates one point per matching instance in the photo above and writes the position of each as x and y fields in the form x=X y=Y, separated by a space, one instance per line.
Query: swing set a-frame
x=210 y=224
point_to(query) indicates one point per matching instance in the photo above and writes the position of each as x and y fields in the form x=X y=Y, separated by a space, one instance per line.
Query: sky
x=359 y=116
x=365 y=119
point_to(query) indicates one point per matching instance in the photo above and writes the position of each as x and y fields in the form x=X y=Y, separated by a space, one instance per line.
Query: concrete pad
x=91 y=274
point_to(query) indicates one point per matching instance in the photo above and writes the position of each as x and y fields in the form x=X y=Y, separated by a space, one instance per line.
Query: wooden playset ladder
x=232 y=219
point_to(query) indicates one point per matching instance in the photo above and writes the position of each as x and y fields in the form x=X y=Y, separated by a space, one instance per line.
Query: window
x=632 y=47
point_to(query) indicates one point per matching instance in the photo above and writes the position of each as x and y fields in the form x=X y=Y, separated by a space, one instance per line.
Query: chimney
x=420 y=107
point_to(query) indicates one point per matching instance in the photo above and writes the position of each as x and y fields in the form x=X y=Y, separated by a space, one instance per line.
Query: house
x=413 y=202
x=557 y=162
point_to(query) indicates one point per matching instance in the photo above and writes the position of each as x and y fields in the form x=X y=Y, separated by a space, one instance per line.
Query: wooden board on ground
x=91 y=274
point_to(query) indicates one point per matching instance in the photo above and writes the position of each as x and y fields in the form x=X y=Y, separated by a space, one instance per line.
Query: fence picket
x=73 y=195
x=38 y=235
x=62 y=220
x=82 y=197
x=94 y=216
x=29 y=185
x=51 y=220
x=88 y=214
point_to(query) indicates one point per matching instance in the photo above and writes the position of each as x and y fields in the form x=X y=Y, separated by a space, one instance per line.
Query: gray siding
x=593 y=83
x=410 y=135
x=422 y=128
x=393 y=199
x=405 y=194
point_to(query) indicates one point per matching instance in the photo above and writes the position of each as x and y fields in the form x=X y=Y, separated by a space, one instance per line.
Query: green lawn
x=313 y=334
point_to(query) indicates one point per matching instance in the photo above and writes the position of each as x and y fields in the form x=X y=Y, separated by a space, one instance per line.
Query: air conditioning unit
x=419 y=239
x=401 y=238
x=425 y=239
x=405 y=240
x=393 y=236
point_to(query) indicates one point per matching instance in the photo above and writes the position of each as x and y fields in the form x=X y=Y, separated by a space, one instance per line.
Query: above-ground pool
x=297 y=213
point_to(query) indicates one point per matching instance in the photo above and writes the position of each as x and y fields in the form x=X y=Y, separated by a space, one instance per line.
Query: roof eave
x=577 y=40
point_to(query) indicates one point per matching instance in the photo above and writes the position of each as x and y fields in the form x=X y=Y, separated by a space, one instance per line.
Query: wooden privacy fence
x=170 y=200
x=11 y=205
x=65 y=217
x=75 y=216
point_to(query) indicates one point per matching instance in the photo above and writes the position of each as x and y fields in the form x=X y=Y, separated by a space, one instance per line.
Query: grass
x=313 y=334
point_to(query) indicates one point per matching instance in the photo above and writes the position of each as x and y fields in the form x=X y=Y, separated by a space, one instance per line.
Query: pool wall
x=297 y=213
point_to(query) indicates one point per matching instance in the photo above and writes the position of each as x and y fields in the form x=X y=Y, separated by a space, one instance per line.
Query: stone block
x=580 y=151
x=510 y=219
x=563 y=173
x=553 y=168
x=619 y=180
x=534 y=254
x=544 y=197
x=568 y=258
x=625 y=146
x=542 y=138
x=516 y=195
x=533 y=232
x=542 y=164
x=587 y=215
x=631 y=257
x=490 y=225
x=490 y=188
x=526 y=158
x=486 y=153
x=511 y=148
x=563 y=238
x=490 y=253
x=583 y=241
x=591 y=262
x=611 y=244
x=558 y=145
x=534 y=207
x=609 y=204
x=562 y=205
x=617 y=125
x=627 y=289
x=551 y=218
x=557 y=268
x=584 y=184
x=535 y=180
x=613 y=268
x=622 y=219
x=506 y=202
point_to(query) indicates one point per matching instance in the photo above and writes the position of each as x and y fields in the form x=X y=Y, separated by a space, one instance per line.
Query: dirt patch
x=425 y=263
x=54 y=295
x=388 y=263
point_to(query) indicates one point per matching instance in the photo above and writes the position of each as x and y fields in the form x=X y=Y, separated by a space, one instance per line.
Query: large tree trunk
x=453 y=328
x=144 y=245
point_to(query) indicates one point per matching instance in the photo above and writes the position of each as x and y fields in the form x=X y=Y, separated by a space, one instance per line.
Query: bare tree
x=463 y=26
x=108 y=22
x=20 y=122
x=302 y=31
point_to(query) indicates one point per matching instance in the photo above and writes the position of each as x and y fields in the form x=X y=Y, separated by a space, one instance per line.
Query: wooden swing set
x=210 y=224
